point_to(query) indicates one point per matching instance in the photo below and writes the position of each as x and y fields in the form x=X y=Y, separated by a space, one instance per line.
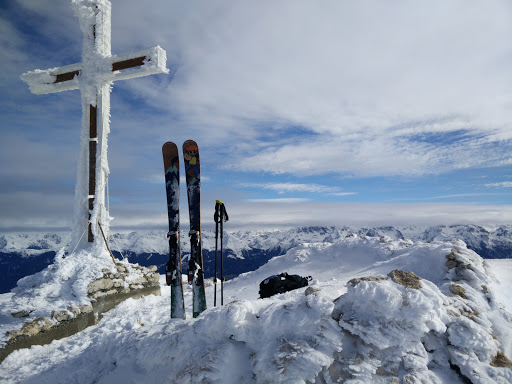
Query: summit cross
x=94 y=76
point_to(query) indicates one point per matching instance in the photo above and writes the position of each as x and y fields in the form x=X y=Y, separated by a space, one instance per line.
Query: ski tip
x=190 y=145
x=170 y=155
x=169 y=144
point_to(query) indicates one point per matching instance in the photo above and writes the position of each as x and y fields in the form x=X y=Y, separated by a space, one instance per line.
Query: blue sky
x=323 y=113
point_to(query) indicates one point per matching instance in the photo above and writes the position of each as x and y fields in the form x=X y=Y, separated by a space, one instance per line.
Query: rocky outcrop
x=407 y=279
x=124 y=279
x=501 y=361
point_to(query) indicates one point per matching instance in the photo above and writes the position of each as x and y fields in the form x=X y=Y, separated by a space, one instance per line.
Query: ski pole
x=223 y=216
x=221 y=261
x=216 y=218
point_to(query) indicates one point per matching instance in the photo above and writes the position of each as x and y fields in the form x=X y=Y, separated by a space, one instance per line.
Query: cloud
x=370 y=86
x=460 y=195
x=365 y=155
x=504 y=184
x=290 y=200
x=365 y=214
x=40 y=211
x=268 y=213
x=296 y=187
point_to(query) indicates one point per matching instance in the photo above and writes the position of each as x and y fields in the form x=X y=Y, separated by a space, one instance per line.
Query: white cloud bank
x=364 y=214
x=402 y=88
x=269 y=213
x=296 y=187
x=504 y=184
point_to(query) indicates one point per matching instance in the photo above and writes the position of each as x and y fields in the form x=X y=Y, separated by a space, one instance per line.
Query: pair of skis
x=195 y=265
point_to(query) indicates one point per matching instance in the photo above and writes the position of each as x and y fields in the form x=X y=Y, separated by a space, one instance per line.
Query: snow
x=355 y=331
x=62 y=285
x=502 y=269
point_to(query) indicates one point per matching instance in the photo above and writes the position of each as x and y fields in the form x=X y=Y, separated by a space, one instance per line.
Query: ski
x=195 y=265
x=173 y=268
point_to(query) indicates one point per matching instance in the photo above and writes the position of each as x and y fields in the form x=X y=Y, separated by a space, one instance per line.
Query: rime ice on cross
x=94 y=76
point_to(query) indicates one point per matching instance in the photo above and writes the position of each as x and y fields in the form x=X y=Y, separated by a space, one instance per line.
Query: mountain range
x=23 y=254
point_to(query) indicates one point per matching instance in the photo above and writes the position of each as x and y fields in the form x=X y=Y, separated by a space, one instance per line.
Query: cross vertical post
x=94 y=77
x=93 y=143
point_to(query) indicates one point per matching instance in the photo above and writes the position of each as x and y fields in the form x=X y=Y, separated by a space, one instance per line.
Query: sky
x=306 y=113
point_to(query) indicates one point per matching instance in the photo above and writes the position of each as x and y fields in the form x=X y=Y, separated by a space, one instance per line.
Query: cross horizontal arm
x=116 y=66
x=127 y=66
x=139 y=63
x=60 y=78
x=130 y=63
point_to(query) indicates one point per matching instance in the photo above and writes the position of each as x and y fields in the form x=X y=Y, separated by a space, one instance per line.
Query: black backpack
x=281 y=283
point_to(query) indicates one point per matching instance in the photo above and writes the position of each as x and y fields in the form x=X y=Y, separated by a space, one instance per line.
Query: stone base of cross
x=94 y=77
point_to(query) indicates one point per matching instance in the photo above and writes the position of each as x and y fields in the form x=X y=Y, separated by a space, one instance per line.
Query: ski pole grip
x=220 y=212
x=224 y=215
x=217 y=211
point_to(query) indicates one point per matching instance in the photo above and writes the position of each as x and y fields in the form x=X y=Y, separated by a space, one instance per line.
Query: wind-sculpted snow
x=428 y=332
x=378 y=311
x=386 y=314
x=291 y=339
x=420 y=332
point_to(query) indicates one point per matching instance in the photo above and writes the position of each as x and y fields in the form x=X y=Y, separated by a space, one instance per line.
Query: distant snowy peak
x=148 y=242
x=488 y=242
x=32 y=242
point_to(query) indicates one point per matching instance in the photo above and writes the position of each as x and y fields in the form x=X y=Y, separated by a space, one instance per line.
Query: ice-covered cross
x=94 y=77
